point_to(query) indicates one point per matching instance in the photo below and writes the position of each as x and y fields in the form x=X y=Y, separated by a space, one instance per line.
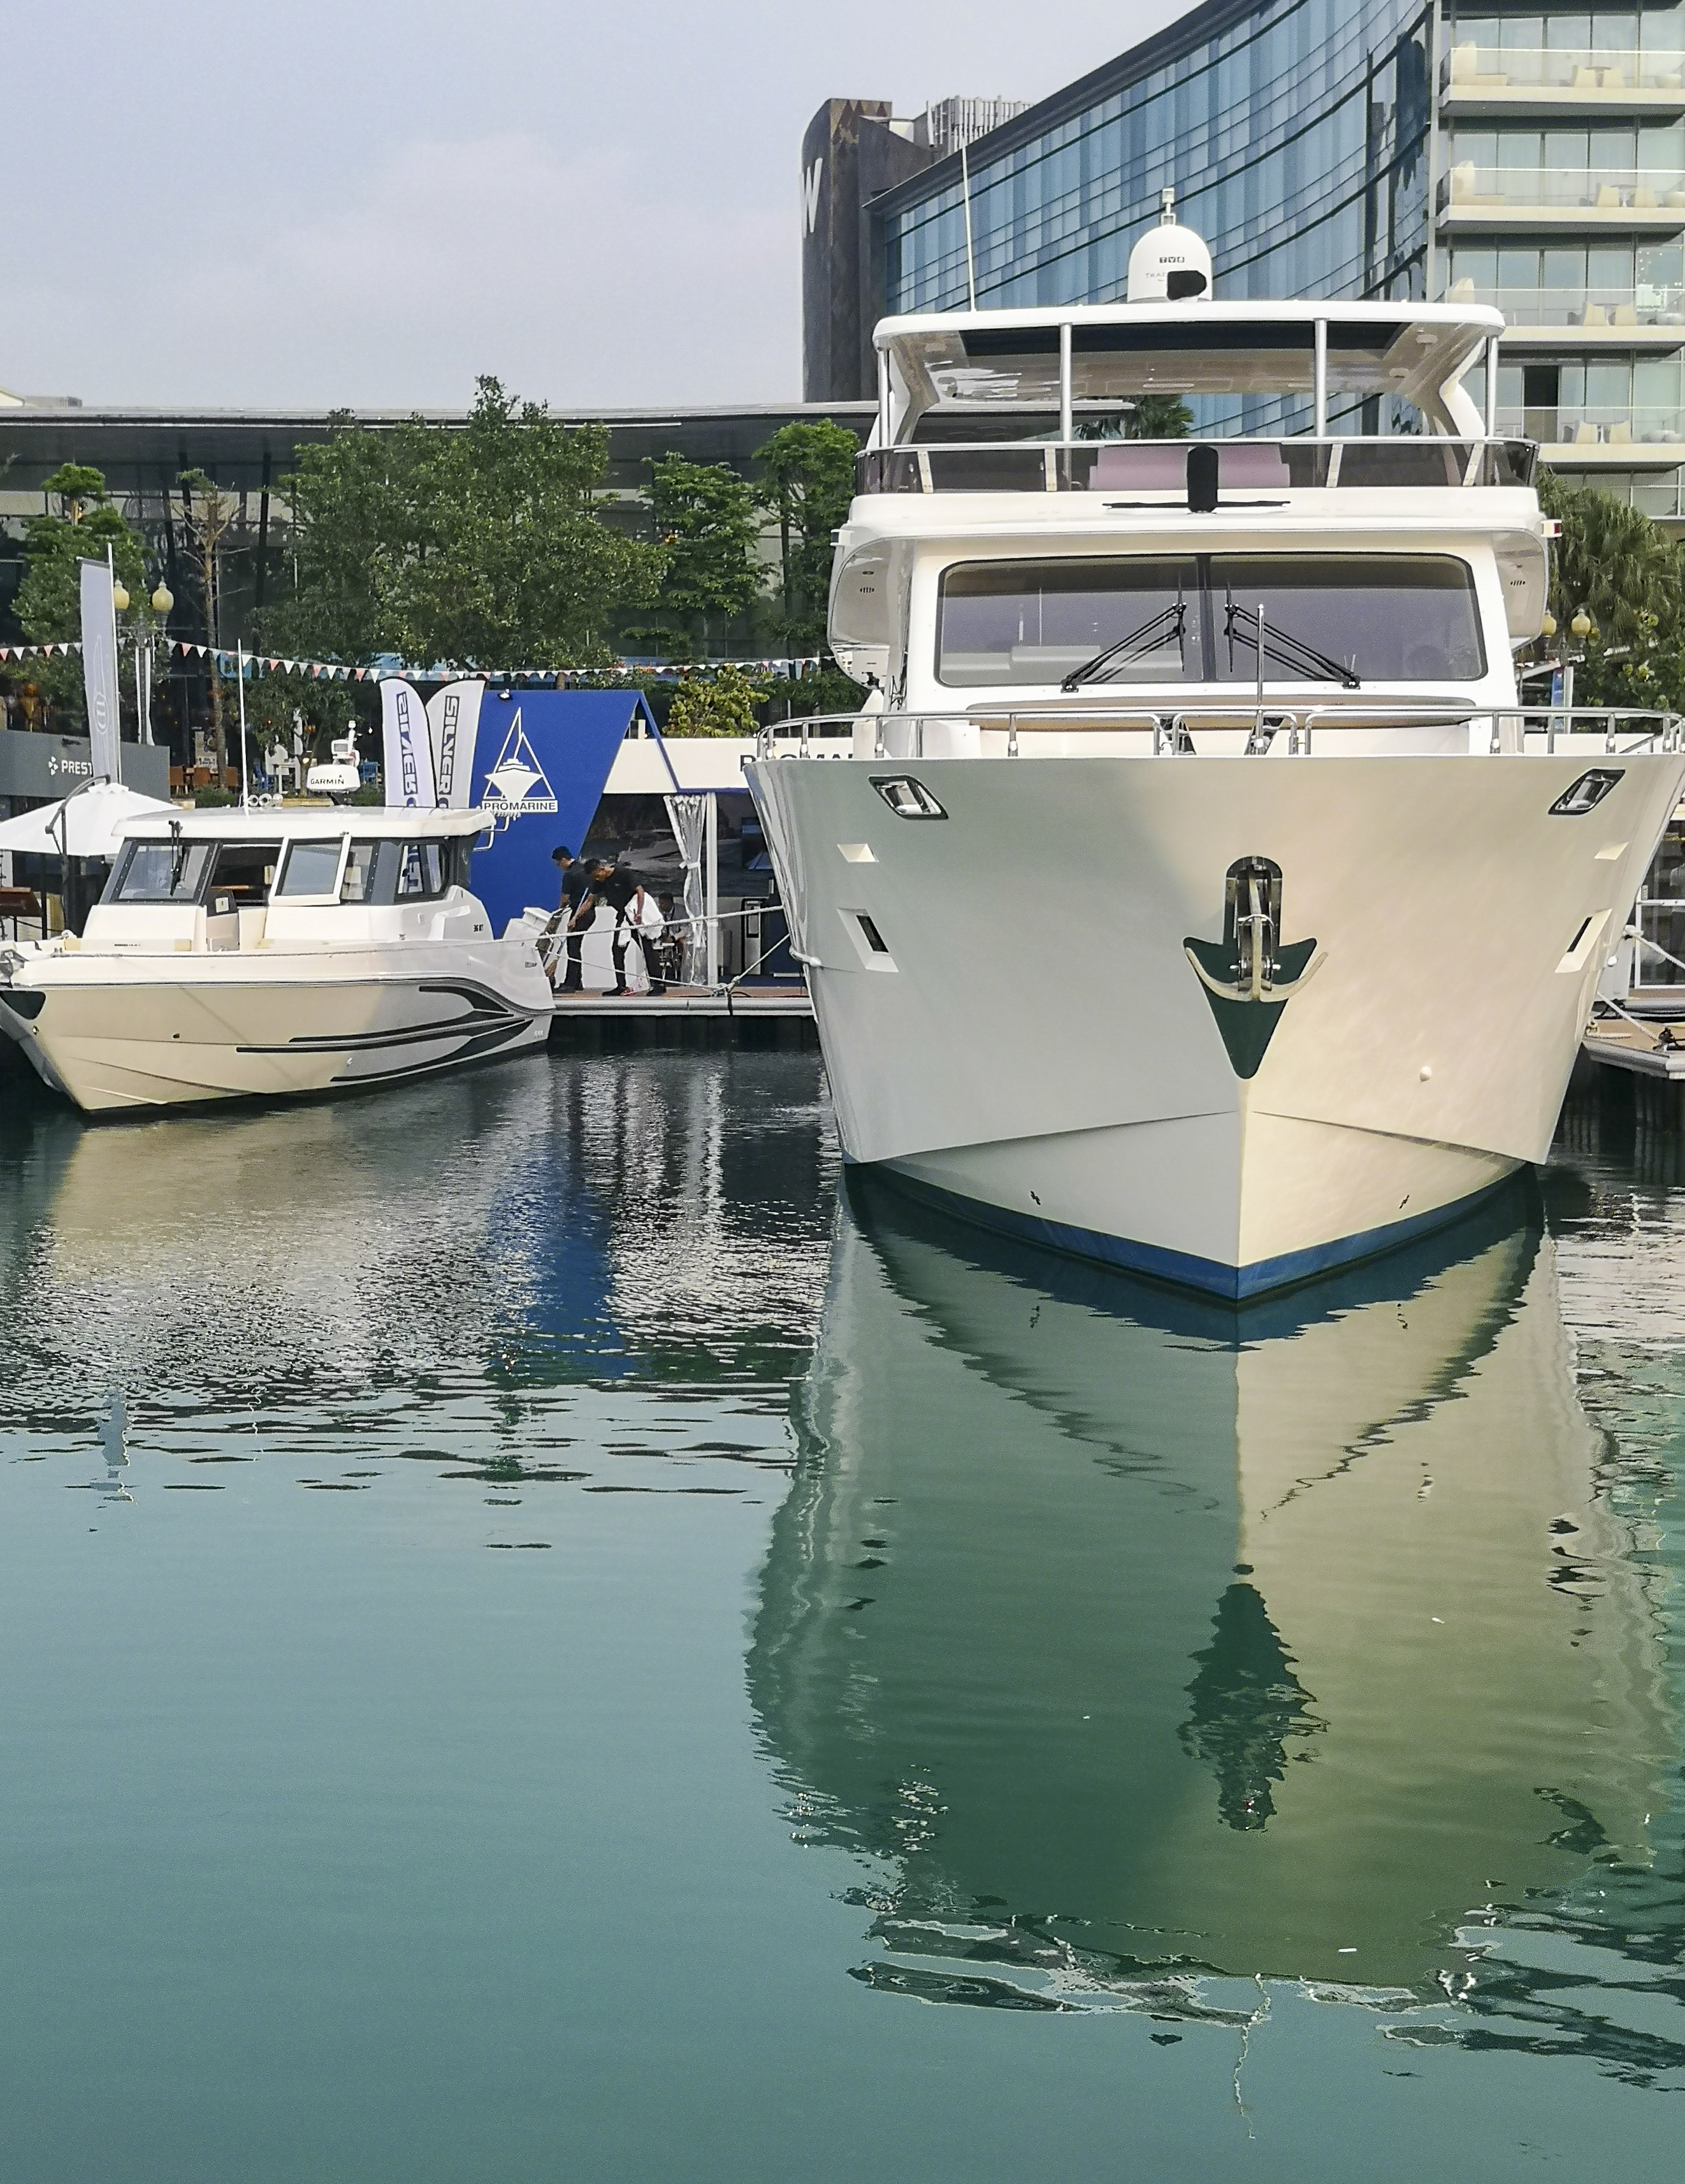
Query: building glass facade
x=1383 y=150
x=1295 y=136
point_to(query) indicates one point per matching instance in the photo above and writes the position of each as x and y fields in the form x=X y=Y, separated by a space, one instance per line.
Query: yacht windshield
x=159 y=872
x=1328 y=618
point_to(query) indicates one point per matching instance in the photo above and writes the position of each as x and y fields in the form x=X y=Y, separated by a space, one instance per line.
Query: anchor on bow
x=1250 y=974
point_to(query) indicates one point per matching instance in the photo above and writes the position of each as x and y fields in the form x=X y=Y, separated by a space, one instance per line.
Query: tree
x=721 y=705
x=704 y=518
x=481 y=545
x=1157 y=417
x=49 y=602
x=1626 y=573
x=208 y=516
x=806 y=482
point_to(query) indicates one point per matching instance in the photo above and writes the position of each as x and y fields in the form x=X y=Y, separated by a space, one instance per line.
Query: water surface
x=548 y=1638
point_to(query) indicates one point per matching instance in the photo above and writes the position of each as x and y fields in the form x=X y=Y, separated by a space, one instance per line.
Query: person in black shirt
x=618 y=887
x=575 y=886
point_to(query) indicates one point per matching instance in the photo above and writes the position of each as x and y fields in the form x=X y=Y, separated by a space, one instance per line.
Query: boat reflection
x=491 y=1232
x=1133 y=1641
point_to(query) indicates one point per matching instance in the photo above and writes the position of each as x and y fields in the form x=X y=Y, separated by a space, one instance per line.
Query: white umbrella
x=87 y=823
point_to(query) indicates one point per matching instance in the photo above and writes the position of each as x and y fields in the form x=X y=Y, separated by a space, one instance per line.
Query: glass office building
x=1379 y=149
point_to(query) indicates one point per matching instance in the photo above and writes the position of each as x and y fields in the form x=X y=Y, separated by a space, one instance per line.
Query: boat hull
x=117 y=1035
x=1031 y=1038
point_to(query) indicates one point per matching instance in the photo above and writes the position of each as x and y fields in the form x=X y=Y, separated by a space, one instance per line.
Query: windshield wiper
x=1285 y=650
x=1167 y=623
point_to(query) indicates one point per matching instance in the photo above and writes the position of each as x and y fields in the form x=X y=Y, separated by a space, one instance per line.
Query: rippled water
x=545 y=1639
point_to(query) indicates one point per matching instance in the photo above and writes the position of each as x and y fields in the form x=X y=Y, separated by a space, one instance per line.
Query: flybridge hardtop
x=937 y=370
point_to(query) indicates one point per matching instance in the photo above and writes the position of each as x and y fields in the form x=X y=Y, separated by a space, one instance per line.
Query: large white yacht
x=1195 y=894
x=266 y=953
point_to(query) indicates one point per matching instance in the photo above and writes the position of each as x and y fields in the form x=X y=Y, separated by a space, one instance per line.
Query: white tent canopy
x=90 y=822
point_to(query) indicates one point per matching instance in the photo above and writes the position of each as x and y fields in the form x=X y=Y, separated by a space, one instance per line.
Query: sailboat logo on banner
x=516 y=785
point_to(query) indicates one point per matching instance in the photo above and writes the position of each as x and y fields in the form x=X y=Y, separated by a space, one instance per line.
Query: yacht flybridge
x=1197 y=894
x=266 y=953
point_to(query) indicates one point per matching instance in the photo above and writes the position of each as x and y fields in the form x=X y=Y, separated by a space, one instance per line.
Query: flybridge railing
x=1133 y=467
x=1219 y=730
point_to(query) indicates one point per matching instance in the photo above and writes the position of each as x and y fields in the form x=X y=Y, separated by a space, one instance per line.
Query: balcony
x=1599 y=438
x=1614 y=200
x=1645 y=318
x=1488 y=80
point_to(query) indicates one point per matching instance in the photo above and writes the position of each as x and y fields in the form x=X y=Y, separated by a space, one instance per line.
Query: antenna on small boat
x=965 y=192
x=245 y=769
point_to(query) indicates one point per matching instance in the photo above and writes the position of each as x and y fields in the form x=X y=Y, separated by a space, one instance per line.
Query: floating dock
x=771 y=1013
x=1643 y=1056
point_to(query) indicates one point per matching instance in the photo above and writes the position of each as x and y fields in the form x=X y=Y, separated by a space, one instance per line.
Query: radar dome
x=1170 y=263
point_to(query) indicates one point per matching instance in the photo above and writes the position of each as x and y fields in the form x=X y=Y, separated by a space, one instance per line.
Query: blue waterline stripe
x=1184 y=1268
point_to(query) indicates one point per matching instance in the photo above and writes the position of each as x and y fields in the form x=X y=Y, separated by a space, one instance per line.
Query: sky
x=329 y=202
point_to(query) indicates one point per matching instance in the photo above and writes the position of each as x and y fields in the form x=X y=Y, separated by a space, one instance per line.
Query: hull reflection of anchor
x=1250 y=974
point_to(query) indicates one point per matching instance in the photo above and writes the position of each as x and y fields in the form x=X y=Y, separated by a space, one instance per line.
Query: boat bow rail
x=1251 y=731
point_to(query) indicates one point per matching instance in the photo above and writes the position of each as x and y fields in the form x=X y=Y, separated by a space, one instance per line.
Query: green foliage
x=1612 y=560
x=1626 y=573
x=806 y=483
x=827 y=689
x=704 y=518
x=720 y=705
x=482 y=546
x=1157 y=417
x=49 y=604
x=213 y=799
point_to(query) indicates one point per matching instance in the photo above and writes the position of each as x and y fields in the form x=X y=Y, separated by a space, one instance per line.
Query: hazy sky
x=329 y=202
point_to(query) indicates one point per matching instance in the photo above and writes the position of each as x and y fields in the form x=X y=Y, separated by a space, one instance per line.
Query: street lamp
x=162 y=600
x=1581 y=625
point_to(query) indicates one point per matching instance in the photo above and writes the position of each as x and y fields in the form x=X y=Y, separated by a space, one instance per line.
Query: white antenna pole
x=970 y=259
x=245 y=764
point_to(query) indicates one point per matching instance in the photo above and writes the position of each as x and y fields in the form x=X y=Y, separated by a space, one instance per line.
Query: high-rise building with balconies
x=1357 y=148
x=1560 y=195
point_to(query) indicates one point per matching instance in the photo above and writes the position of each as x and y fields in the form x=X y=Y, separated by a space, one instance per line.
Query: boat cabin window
x=311 y=872
x=159 y=872
x=245 y=872
x=390 y=871
x=1193 y=618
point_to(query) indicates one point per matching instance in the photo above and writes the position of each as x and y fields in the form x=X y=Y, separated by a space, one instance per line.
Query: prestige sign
x=41 y=766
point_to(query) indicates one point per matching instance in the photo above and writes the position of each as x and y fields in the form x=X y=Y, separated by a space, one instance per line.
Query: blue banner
x=542 y=760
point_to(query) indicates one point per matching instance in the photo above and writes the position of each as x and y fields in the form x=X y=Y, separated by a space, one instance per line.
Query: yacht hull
x=1012 y=1018
x=118 y=1034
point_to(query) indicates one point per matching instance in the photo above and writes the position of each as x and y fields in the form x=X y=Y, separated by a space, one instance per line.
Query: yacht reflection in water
x=1136 y=1641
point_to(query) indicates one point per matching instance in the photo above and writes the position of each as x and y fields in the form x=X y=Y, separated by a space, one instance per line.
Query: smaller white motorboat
x=260 y=954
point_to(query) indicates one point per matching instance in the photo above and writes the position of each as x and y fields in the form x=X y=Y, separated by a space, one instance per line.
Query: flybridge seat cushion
x=1151 y=466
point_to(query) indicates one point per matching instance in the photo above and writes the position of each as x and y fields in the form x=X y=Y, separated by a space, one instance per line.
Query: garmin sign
x=36 y=766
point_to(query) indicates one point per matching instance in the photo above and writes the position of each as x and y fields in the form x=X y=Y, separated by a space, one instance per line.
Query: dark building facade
x=851 y=155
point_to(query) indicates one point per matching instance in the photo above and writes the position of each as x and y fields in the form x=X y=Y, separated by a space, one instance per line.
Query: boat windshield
x=159 y=872
x=1194 y=618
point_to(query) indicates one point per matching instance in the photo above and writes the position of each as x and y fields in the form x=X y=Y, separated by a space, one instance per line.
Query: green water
x=546 y=1639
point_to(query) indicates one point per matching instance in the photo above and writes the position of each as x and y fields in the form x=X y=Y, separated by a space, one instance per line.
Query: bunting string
x=335 y=670
x=226 y=662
